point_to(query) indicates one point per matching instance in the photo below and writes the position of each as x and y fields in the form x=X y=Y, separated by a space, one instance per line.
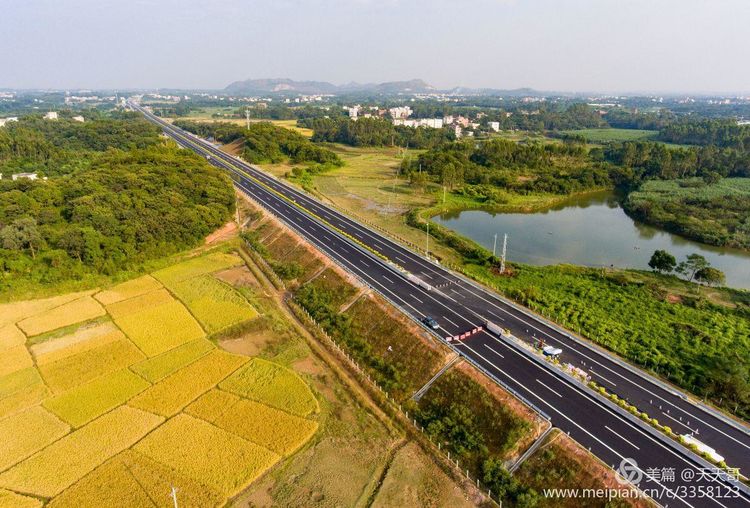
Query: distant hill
x=285 y=85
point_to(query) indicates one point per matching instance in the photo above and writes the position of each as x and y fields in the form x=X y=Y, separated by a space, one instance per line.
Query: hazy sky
x=568 y=45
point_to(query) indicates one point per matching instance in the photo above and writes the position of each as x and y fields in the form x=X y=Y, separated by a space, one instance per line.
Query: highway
x=459 y=305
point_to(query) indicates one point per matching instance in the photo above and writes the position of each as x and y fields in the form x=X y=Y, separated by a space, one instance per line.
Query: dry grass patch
x=128 y=289
x=176 y=391
x=50 y=471
x=270 y=428
x=197 y=266
x=134 y=480
x=207 y=454
x=14 y=359
x=11 y=336
x=158 y=367
x=216 y=305
x=274 y=385
x=83 y=367
x=70 y=313
x=10 y=499
x=86 y=402
x=158 y=329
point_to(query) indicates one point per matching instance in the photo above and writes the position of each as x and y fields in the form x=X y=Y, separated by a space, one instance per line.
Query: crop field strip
x=92 y=393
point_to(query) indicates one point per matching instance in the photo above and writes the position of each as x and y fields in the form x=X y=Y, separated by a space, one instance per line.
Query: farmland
x=93 y=402
x=607 y=135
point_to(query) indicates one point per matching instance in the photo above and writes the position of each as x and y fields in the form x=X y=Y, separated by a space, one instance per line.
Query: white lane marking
x=493 y=351
x=417 y=299
x=459 y=294
x=694 y=431
x=558 y=411
x=389 y=280
x=602 y=377
x=618 y=435
x=692 y=416
x=426 y=275
x=363 y=262
x=451 y=322
x=548 y=388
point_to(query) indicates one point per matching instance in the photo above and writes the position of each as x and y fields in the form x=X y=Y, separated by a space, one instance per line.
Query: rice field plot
x=197 y=266
x=56 y=467
x=211 y=455
x=176 y=391
x=77 y=311
x=85 y=366
x=21 y=390
x=80 y=341
x=26 y=433
x=84 y=403
x=11 y=336
x=10 y=499
x=158 y=367
x=138 y=303
x=16 y=311
x=272 y=384
x=129 y=289
x=14 y=359
x=160 y=328
x=215 y=304
x=250 y=420
x=134 y=480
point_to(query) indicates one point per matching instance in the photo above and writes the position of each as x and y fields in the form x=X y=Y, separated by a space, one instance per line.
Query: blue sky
x=567 y=45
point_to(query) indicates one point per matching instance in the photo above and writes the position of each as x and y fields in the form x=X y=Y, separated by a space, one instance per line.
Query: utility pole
x=247 y=117
x=494 y=246
x=174 y=496
x=502 y=260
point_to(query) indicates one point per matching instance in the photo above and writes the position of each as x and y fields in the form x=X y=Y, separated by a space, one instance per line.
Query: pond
x=591 y=230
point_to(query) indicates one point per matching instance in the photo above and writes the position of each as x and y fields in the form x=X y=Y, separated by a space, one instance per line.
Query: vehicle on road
x=430 y=322
x=552 y=351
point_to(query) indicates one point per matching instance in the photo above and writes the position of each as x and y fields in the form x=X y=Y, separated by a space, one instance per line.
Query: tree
x=711 y=276
x=662 y=261
x=22 y=234
x=692 y=265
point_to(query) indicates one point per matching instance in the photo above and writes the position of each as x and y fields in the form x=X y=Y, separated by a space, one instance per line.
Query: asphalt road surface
x=459 y=306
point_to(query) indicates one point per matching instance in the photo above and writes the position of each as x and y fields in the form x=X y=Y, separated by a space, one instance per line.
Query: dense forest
x=531 y=167
x=110 y=202
x=265 y=142
x=638 y=161
x=723 y=133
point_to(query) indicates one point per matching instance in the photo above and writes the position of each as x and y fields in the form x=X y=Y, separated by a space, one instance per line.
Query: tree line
x=265 y=142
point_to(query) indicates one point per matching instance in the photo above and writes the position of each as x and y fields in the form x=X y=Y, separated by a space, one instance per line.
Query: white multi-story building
x=495 y=126
x=433 y=123
x=400 y=112
x=51 y=115
x=79 y=118
x=4 y=121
